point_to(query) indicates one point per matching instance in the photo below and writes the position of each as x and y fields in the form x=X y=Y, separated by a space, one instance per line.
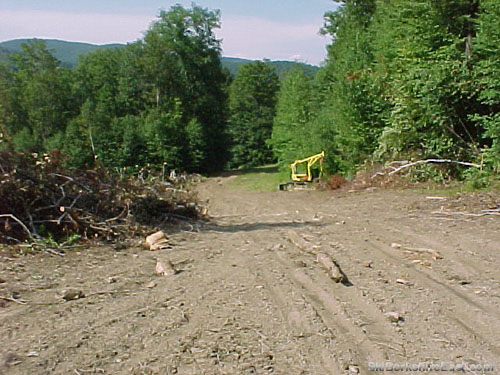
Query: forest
x=403 y=80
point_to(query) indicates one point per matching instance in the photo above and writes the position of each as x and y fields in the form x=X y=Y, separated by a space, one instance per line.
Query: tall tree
x=350 y=120
x=43 y=96
x=252 y=105
x=292 y=136
x=430 y=81
x=182 y=63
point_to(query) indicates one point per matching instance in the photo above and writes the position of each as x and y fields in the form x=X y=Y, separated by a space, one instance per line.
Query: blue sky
x=256 y=29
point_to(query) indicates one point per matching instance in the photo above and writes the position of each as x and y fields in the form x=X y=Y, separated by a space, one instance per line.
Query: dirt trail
x=249 y=301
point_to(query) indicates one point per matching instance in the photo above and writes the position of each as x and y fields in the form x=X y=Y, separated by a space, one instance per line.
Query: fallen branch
x=485 y=213
x=13 y=300
x=301 y=243
x=432 y=161
x=331 y=266
x=19 y=222
x=433 y=252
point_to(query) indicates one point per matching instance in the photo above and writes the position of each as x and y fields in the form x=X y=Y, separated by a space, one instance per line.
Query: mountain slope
x=69 y=52
x=66 y=52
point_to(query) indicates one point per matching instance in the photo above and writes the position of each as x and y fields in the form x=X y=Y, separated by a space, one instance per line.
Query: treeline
x=160 y=100
x=403 y=79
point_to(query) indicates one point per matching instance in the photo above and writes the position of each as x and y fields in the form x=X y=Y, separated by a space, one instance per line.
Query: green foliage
x=252 y=103
x=292 y=137
x=160 y=100
x=486 y=73
x=430 y=84
x=403 y=79
x=350 y=120
x=477 y=178
x=182 y=62
x=37 y=104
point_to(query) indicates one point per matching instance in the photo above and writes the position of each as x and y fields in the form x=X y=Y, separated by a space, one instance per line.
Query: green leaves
x=252 y=103
x=292 y=137
x=40 y=89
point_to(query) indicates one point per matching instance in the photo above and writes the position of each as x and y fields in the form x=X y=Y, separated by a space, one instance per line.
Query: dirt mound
x=335 y=182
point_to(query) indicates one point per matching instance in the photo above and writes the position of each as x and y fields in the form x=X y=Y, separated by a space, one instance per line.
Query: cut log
x=157 y=241
x=331 y=266
x=302 y=244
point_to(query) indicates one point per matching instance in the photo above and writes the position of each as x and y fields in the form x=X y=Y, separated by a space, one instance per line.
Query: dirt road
x=421 y=287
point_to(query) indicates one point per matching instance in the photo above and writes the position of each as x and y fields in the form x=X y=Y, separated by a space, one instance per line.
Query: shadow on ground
x=249 y=227
x=239 y=172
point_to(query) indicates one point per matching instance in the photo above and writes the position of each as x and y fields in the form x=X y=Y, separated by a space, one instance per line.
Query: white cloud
x=259 y=38
x=91 y=28
x=247 y=37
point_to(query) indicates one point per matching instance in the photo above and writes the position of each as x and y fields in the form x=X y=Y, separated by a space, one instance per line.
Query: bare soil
x=246 y=300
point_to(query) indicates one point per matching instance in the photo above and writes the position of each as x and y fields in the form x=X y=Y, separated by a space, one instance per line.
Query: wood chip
x=72 y=294
x=393 y=316
x=402 y=281
x=165 y=269
x=151 y=285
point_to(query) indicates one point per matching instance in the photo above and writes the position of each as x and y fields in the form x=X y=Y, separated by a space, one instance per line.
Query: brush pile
x=41 y=198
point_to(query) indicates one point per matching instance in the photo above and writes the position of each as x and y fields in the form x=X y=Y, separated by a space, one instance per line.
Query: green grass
x=266 y=178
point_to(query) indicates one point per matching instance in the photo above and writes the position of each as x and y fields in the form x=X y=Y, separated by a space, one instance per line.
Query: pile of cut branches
x=40 y=198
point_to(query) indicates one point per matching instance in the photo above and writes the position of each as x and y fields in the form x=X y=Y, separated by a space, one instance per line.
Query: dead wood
x=13 y=300
x=407 y=164
x=484 y=213
x=19 y=222
x=331 y=266
x=435 y=254
x=39 y=197
x=301 y=243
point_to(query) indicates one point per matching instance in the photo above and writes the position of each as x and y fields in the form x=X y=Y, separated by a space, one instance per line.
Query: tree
x=44 y=104
x=252 y=105
x=182 y=64
x=349 y=121
x=8 y=105
x=486 y=73
x=167 y=93
x=430 y=81
x=92 y=134
x=292 y=134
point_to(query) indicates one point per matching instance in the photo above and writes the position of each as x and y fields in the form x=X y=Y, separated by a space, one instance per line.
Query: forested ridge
x=403 y=80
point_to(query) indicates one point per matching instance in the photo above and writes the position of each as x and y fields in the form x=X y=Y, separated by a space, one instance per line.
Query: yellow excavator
x=303 y=172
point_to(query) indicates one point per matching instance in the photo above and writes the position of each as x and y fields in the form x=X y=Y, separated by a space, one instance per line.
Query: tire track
x=468 y=313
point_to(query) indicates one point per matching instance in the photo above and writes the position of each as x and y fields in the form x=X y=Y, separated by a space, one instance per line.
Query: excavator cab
x=304 y=171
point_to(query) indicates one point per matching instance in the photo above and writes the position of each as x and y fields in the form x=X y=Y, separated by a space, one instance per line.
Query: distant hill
x=68 y=53
x=233 y=64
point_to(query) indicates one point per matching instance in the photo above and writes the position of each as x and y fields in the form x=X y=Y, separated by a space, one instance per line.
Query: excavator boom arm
x=311 y=160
